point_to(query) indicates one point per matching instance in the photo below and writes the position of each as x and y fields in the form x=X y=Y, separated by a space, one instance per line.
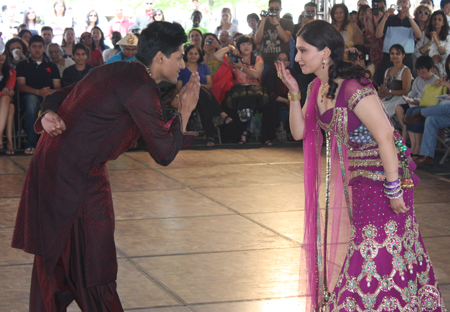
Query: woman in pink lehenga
x=367 y=243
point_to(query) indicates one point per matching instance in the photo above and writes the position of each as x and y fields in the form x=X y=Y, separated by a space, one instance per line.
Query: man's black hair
x=270 y=1
x=424 y=61
x=196 y=12
x=23 y=31
x=254 y=16
x=159 y=36
x=36 y=38
x=312 y=4
x=443 y=3
x=80 y=46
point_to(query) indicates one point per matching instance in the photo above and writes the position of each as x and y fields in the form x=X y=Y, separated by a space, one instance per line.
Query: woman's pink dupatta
x=316 y=245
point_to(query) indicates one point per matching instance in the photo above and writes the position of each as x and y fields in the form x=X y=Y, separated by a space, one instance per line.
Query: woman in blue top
x=207 y=105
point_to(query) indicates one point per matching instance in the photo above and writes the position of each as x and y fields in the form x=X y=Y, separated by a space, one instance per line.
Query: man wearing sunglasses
x=274 y=34
x=142 y=20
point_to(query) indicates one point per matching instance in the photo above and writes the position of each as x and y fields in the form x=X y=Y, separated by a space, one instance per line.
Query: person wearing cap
x=36 y=78
x=66 y=216
x=135 y=30
x=146 y=17
x=128 y=46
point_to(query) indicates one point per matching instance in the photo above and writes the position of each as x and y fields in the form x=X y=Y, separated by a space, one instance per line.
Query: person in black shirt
x=36 y=78
x=77 y=72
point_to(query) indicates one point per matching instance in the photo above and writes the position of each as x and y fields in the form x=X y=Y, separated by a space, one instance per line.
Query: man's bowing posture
x=66 y=215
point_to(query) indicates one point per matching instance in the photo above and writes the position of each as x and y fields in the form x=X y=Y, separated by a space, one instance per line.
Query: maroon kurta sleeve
x=145 y=110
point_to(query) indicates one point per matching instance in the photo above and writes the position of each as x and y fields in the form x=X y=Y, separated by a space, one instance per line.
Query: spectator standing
x=91 y=20
x=340 y=20
x=361 y=2
x=376 y=50
x=422 y=13
x=398 y=29
x=29 y=19
x=16 y=51
x=115 y=38
x=195 y=37
x=158 y=15
x=430 y=3
x=96 y=56
x=68 y=42
x=98 y=39
x=210 y=45
x=436 y=42
x=47 y=34
x=7 y=83
x=37 y=78
x=274 y=34
x=226 y=24
x=80 y=69
x=55 y=53
x=25 y=35
x=120 y=23
x=252 y=21
x=145 y=17
x=445 y=6
x=196 y=18
x=128 y=45
x=59 y=21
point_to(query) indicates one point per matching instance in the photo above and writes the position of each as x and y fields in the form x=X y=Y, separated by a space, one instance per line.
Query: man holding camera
x=273 y=33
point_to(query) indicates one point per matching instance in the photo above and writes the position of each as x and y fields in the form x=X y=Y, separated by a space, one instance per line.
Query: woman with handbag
x=397 y=80
x=246 y=67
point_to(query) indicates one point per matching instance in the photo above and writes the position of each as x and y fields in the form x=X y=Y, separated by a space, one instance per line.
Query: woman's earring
x=323 y=63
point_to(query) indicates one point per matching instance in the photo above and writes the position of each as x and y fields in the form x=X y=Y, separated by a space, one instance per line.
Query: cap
x=129 y=39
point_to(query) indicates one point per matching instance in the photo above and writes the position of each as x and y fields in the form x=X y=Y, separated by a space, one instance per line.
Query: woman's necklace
x=322 y=93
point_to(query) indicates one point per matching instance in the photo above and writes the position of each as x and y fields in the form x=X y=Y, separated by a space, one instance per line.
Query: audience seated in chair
x=128 y=45
x=36 y=78
x=80 y=69
x=207 y=106
x=426 y=76
x=55 y=53
x=210 y=45
x=20 y=50
x=95 y=56
x=7 y=83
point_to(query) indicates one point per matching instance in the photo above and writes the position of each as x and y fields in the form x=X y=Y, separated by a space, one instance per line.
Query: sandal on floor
x=29 y=151
x=268 y=143
x=9 y=151
x=244 y=136
x=210 y=141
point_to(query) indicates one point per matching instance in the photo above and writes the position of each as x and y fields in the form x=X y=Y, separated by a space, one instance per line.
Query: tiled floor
x=216 y=230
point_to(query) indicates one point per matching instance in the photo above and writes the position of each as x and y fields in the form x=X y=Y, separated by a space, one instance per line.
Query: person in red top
x=119 y=23
x=96 y=56
x=66 y=216
x=7 y=84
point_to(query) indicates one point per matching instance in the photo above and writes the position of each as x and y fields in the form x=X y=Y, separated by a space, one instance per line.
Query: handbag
x=246 y=95
x=429 y=95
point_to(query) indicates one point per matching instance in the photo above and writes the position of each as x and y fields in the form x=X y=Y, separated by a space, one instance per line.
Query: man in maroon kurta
x=66 y=215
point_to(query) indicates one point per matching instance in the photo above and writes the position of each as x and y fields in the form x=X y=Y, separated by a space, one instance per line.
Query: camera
x=235 y=58
x=353 y=56
x=265 y=13
x=308 y=14
x=209 y=41
x=375 y=7
x=396 y=7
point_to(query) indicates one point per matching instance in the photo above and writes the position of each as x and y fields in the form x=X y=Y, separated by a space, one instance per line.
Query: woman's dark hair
x=204 y=39
x=63 y=44
x=158 y=10
x=188 y=48
x=159 y=36
x=80 y=46
x=23 y=31
x=346 y=17
x=362 y=9
x=25 y=16
x=444 y=30
x=331 y=38
x=87 y=18
x=254 y=16
x=244 y=39
x=9 y=56
x=102 y=44
x=193 y=29
x=283 y=52
x=447 y=69
x=6 y=68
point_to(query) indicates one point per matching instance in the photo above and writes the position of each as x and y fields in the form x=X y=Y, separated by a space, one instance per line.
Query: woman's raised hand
x=287 y=78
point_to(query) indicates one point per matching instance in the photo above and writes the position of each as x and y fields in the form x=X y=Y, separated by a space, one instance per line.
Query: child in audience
x=426 y=76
